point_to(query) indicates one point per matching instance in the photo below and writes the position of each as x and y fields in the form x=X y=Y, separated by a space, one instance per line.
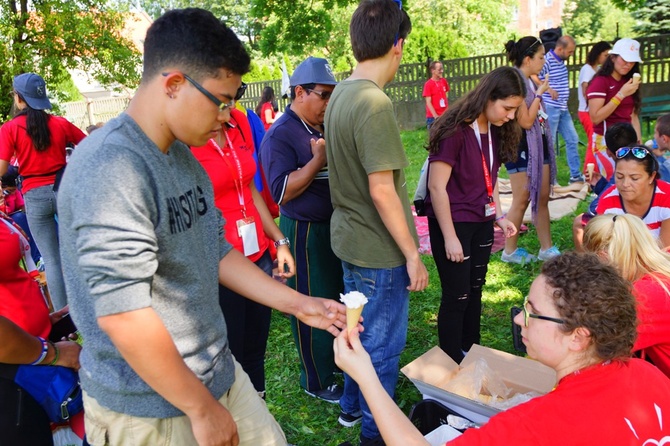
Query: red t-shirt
x=15 y=140
x=653 y=311
x=267 y=106
x=21 y=300
x=437 y=91
x=606 y=87
x=615 y=404
x=224 y=174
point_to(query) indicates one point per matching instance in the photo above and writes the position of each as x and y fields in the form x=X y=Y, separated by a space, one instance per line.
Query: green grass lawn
x=307 y=421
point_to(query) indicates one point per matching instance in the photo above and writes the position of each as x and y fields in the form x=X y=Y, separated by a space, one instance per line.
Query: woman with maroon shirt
x=228 y=160
x=467 y=145
x=38 y=141
x=613 y=96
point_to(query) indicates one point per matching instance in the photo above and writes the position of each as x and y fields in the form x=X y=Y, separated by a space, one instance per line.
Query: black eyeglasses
x=325 y=95
x=241 y=91
x=397 y=35
x=527 y=314
x=220 y=104
x=638 y=152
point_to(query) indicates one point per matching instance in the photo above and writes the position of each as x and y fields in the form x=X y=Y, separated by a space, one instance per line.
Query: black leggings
x=458 y=321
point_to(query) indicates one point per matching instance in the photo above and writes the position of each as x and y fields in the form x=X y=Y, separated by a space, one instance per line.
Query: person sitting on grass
x=627 y=244
x=639 y=191
x=619 y=135
x=579 y=318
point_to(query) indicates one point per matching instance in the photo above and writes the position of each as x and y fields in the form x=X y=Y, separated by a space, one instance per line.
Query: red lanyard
x=487 y=173
x=238 y=164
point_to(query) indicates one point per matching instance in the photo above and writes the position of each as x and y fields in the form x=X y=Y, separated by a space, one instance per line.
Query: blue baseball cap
x=33 y=90
x=313 y=70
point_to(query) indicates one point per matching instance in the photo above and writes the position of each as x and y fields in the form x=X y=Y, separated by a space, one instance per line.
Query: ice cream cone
x=353 y=316
x=590 y=167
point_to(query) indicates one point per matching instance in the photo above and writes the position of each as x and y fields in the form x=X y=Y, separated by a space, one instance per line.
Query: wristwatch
x=281 y=242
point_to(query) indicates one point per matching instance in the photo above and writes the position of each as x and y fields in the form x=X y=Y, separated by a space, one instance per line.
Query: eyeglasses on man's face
x=220 y=104
x=638 y=152
x=527 y=314
x=325 y=95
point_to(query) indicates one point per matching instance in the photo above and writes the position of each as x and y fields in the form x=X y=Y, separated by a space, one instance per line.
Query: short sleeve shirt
x=585 y=75
x=37 y=168
x=658 y=212
x=437 y=92
x=466 y=187
x=362 y=137
x=606 y=87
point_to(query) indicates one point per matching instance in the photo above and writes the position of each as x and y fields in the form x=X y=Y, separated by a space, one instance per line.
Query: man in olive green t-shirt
x=372 y=229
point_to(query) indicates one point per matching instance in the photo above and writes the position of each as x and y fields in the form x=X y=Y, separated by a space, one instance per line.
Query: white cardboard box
x=431 y=371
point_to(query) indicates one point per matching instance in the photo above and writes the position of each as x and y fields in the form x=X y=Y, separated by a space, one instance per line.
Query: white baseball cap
x=628 y=49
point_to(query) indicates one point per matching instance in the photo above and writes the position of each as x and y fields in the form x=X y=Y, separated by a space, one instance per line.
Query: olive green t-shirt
x=362 y=137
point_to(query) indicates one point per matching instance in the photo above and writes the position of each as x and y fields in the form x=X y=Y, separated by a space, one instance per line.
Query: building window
x=548 y=2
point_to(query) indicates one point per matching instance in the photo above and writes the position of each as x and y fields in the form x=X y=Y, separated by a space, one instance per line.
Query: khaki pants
x=255 y=425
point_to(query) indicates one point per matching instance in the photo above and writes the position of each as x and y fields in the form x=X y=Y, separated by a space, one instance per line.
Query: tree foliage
x=653 y=18
x=595 y=20
x=51 y=36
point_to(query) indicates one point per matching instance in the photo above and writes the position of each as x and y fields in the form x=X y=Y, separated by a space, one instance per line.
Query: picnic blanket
x=562 y=202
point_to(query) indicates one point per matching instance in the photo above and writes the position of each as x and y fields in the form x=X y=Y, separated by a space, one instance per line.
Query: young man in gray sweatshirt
x=143 y=251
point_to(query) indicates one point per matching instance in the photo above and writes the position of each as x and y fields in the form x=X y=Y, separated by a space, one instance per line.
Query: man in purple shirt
x=293 y=155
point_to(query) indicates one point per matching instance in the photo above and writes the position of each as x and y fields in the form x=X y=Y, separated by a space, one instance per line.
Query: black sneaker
x=350 y=419
x=330 y=394
x=377 y=441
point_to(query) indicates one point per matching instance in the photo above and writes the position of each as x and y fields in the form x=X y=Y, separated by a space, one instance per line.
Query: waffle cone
x=353 y=315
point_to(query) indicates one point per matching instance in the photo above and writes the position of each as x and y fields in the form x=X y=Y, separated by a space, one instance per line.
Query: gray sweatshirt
x=138 y=229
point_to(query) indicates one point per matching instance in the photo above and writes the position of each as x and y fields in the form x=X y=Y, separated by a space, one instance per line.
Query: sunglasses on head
x=529 y=51
x=638 y=152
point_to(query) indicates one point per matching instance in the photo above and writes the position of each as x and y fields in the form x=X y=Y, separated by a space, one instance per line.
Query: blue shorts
x=521 y=163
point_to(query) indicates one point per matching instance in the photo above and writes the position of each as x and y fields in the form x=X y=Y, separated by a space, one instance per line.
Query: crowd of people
x=170 y=267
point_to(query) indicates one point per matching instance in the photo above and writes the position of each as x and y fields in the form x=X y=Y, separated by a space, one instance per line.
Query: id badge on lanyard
x=490 y=207
x=246 y=226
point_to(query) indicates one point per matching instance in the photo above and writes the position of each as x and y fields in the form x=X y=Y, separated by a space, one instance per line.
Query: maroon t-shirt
x=467 y=186
x=606 y=87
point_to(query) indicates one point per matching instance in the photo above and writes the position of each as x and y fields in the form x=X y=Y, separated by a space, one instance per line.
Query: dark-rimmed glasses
x=220 y=104
x=241 y=91
x=527 y=314
x=638 y=152
x=325 y=95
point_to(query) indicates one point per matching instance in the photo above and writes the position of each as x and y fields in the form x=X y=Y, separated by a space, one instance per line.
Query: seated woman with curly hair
x=579 y=319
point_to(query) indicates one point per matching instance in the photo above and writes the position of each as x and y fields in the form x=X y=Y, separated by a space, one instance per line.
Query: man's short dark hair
x=619 y=135
x=663 y=125
x=304 y=87
x=194 y=41
x=375 y=27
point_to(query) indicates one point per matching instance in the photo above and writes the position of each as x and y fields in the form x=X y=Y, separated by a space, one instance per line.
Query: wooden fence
x=405 y=91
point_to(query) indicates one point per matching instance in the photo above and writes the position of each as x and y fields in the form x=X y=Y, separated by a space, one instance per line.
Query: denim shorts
x=521 y=163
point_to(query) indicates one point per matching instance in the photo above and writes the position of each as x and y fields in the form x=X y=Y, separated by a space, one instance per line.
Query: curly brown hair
x=591 y=294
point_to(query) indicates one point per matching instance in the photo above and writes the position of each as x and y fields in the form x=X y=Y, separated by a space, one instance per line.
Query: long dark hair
x=501 y=83
x=268 y=95
x=596 y=51
x=524 y=47
x=37 y=126
x=607 y=69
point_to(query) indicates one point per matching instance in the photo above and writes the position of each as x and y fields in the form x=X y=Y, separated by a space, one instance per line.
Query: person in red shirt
x=38 y=141
x=435 y=92
x=229 y=162
x=266 y=108
x=579 y=318
x=625 y=241
x=22 y=419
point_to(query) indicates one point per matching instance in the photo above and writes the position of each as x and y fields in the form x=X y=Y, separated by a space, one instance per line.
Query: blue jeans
x=41 y=212
x=560 y=121
x=385 y=332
